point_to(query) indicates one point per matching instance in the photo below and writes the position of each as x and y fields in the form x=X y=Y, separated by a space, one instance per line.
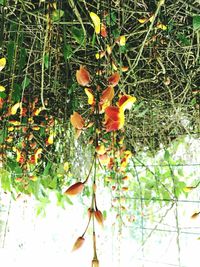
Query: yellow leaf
x=66 y=166
x=37 y=111
x=100 y=54
x=96 y=21
x=14 y=108
x=122 y=40
x=90 y=96
x=2 y=88
x=16 y=123
x=11 y=128
x=50 y=139
x=143 y=20
x=109 y=49
x=100 y=149
x=161 y=26
x=2 y=63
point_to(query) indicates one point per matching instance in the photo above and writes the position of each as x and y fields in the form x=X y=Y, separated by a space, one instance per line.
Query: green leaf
x=183 y=39
x=46 y=60
x=67 y=52
x=166 y=155
x=16 y=95
x=22 y=58
x=3 y=95
x=1 y=2
x=196 y=23
x=25 y=82
x=78 y=35
x=57 y=15
x=5 y=180
x=10 y=52
x=111 y=19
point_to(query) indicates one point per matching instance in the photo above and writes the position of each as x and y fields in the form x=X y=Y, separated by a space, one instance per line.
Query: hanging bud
x=79 y=242
x=99 y=217
x=75 y=189
x=195 y=215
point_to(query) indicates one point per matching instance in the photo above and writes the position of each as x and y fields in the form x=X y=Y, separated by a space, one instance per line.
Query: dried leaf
x=77 y=121
x=75 y=189
x=83 y=76
x=99 y=217
x=114 y=79
x=96 y=21
x=103 y=30
x=90 y=96
x=79 y=242
x=2 y=63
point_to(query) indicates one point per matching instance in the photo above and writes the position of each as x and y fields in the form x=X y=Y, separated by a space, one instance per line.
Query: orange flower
x=114 y=118
x=77 y=121
x=107 y=94
x=126 y=102
x=114 y=79
x=75 y=189
x=83 y=76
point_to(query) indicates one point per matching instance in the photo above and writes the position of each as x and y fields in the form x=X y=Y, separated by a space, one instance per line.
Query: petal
x=90 y=96
x=83 y=76
x=77 y=120
x=2 y=63
x=96 y=21
x=112 y=113
x=107 y=94
x=75 y=189
x=126 y=102
x=114 y=79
